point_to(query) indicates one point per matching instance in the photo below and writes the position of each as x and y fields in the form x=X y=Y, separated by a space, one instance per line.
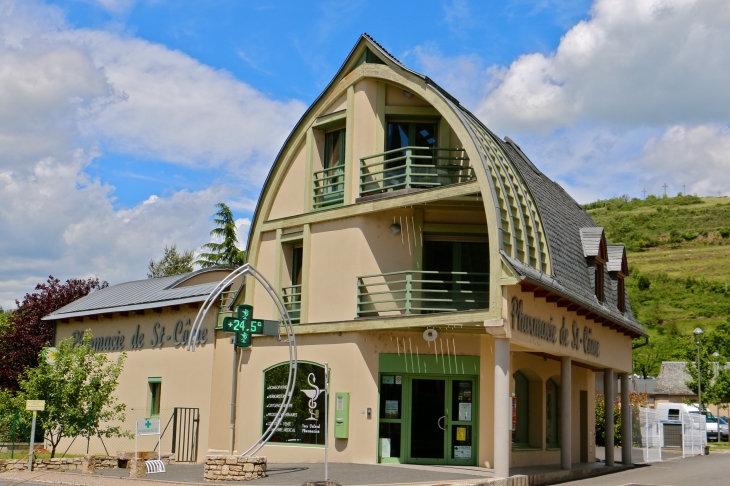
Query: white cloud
x=66 y=95
x=634 y=62
x=633 y=97
x=180 y=110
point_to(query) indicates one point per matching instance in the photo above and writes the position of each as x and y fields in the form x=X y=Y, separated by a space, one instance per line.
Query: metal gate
x=185 y=425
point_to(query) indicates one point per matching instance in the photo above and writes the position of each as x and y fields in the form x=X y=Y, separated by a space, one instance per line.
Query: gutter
x=126 y=308
x=640 y=345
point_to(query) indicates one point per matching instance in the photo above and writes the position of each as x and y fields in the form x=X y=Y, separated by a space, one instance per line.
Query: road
x=709 y=470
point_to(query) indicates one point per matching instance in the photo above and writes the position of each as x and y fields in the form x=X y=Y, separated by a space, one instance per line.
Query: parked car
x=723 y=428
x=712 y=426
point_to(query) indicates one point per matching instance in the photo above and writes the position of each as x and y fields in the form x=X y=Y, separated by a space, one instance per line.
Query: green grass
x=23 y=454
x=678 y=249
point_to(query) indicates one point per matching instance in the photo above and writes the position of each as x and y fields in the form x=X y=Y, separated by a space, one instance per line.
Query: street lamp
x=716 y=355
x=698 y=333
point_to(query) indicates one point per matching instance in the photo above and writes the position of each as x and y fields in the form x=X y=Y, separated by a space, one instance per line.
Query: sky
x=123 y=122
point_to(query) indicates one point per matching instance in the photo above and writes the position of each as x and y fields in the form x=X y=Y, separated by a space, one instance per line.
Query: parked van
x=671 y=413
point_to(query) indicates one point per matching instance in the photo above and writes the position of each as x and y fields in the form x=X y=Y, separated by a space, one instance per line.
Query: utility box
x=342 y=415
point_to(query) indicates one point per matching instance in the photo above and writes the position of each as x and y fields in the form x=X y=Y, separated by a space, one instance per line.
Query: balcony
x=421 y=292
x=413 y=167
x=329 y=187
x=292 y=297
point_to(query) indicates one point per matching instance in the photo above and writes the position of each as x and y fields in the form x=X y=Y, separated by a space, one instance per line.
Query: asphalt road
x=712 y=470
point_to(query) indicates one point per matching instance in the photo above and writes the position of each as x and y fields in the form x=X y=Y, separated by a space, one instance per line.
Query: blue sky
x=291 y=50
x=122 y=122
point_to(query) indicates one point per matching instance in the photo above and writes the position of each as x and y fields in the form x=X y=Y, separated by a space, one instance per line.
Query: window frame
x=556 y=409
x=526 y=444
x=621 y=293
x=154 y=385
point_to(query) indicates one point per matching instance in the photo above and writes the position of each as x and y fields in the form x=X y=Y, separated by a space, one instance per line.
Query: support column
x=502 y=408
x=609 y=382
x=566 y=416
x=626 y=439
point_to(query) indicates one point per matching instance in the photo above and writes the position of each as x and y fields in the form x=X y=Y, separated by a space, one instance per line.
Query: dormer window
x=599 y=279
x=600 y=261
x=621 y=291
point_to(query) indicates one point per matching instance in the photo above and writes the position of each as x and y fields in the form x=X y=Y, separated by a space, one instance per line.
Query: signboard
x=37 y=405
x=148 y=426
x=303 y=422
x=241 y=322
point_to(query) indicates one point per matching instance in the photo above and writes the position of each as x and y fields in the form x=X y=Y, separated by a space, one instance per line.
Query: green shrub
x=643 y=282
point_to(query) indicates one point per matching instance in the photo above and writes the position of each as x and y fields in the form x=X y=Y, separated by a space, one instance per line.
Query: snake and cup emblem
x=312 y=395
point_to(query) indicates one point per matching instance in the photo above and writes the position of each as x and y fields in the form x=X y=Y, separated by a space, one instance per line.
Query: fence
x=111 y=445
x=651 y=434
x=694 y=434
x=14 y=434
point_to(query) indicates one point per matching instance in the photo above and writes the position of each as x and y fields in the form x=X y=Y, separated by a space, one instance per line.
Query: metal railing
x=421 y=292
x=329 y=187
x=408 y=167
x=292 y=297
x=226 y=300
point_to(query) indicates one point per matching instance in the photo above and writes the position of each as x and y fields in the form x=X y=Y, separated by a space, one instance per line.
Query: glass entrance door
x=428 y=420
x=441 y=420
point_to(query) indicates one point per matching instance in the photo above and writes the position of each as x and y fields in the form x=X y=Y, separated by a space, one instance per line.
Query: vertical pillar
x=609 y=382
x=566 y=416
x=502 y=408
x=626 y=439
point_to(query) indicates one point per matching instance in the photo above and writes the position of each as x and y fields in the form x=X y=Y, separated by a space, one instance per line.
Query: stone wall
x=234 y=468
x=57 y=463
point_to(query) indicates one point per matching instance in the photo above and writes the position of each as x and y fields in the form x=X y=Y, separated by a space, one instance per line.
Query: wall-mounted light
x=407 y=94
x=395 y=228
x=430 y=335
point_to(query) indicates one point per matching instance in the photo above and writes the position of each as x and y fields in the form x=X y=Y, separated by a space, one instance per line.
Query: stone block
x=88 y=464
x=231 y=459
x=137 y=468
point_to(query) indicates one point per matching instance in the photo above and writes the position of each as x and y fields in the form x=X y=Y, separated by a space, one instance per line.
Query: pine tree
x=224 y=254
x=172 y=263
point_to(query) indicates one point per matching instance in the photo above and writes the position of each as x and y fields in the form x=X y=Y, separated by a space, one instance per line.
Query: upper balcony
x=425 y=292
x=399 y=169
x=413 y=168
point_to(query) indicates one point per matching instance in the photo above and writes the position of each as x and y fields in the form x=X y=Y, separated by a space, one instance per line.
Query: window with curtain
x=552 y=416
x=520 y=436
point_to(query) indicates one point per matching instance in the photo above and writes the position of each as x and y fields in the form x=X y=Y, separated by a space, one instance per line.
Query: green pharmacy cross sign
x=244 y=325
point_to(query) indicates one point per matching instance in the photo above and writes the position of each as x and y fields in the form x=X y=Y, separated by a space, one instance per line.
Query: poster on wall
x=303 y=422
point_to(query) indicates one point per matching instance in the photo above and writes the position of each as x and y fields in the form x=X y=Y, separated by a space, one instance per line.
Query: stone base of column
x=137 y=468
x=234 y=468
x=88 y=464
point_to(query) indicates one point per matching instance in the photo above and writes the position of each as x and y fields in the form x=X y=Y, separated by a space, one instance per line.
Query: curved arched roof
x=538 y=221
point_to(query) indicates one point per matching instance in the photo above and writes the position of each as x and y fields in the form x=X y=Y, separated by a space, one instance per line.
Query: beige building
x=462 y=299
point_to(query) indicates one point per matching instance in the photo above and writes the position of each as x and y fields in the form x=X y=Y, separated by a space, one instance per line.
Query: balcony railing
x=413 y=167
x=292 y=297
x=226 y=300
x=329 y=187
x=414 y=292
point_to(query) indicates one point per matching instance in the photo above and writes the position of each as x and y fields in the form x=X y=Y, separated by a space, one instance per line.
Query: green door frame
x=449 y=423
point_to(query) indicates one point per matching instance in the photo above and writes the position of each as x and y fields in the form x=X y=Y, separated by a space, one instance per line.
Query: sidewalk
x=278 y=475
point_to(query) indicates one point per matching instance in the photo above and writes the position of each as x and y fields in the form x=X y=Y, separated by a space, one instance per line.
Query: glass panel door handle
x=438 y=422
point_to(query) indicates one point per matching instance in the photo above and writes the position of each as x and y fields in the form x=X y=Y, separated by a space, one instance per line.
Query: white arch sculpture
x=244 y=271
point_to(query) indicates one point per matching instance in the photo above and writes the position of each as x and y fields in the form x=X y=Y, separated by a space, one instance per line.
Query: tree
x=707 y=374
x=78 y=387
x=171 y=263
x=4 y=316
x=26 y=334
x=224 y=253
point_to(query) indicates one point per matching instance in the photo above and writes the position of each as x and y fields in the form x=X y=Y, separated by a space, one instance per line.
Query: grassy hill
x=678 y=250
